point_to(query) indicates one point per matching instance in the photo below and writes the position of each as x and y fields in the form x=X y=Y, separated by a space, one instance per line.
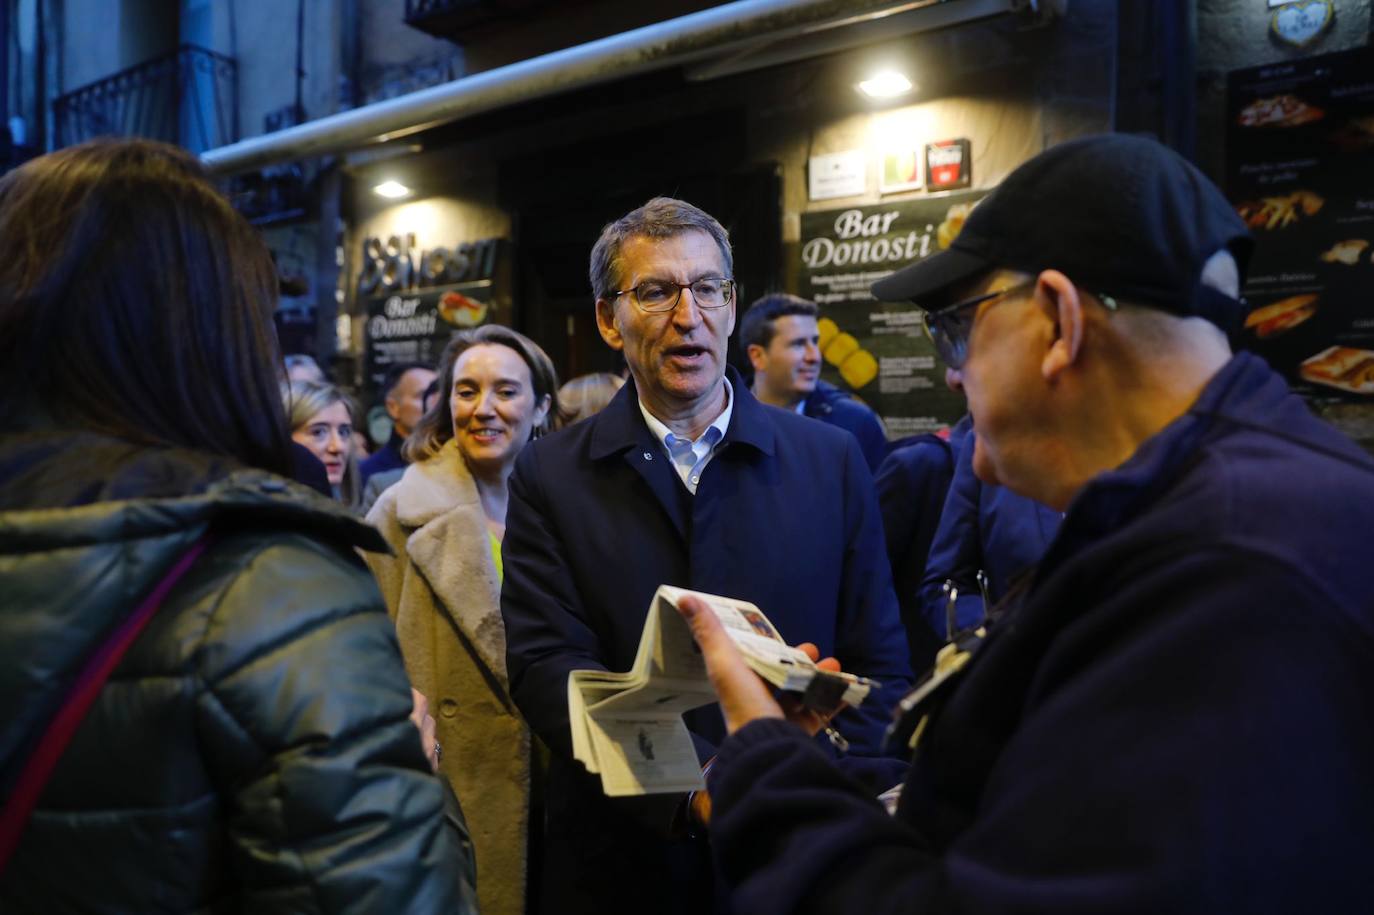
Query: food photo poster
x=1300 y=172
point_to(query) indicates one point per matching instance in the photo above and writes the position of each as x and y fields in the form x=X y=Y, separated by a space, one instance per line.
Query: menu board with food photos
x=877 y=350
x=1300 y=171
x=415 y=326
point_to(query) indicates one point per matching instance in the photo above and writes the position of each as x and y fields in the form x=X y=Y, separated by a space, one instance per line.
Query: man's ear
x=393 y=406
x=758 y=357
x=606 y=324
x=1056 y=294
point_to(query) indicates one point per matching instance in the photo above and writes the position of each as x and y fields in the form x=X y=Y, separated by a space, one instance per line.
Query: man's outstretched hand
x=743 y=696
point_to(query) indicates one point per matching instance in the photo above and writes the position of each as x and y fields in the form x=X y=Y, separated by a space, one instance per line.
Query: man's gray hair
x=1157 y=331
x=662 y=217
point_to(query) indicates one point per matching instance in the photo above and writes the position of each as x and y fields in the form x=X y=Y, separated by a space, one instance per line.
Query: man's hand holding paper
x=628 y=727
x=744 y=696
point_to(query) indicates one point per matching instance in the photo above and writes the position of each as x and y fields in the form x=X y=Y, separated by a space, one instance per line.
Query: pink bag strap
x=39 y=766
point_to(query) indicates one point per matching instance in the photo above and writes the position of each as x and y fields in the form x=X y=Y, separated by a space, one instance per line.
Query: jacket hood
x=89 y=524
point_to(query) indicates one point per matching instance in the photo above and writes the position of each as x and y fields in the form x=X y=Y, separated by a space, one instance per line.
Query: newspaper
x=628 y=727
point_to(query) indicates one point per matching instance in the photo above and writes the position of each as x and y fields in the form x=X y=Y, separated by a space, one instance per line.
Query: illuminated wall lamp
x=886 y=84
x=391 y=189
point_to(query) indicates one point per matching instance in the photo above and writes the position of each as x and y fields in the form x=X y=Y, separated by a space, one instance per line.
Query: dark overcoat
x=1173 y=715
x=784 y=516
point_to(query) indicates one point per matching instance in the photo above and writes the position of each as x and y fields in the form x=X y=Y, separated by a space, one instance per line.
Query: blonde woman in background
x=444 y=520
x=586 y=395
x=321 y=419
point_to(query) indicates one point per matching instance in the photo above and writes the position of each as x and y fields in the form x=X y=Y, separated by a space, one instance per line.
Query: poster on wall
x=842 y=174
x=1300 y=172
x=415 y=297
x=949 y=164
x=901 y=171
x=876 y=350
x=415 y=326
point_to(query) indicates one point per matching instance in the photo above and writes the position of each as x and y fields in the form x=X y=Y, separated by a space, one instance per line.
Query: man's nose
x=687 y=313
x=812 y=353
x=954 y=380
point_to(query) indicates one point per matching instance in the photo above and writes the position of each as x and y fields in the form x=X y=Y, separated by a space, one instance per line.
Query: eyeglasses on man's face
x=949 y=328
x=657 y=296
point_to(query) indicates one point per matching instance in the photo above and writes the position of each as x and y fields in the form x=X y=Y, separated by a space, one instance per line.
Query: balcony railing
x=188 y=97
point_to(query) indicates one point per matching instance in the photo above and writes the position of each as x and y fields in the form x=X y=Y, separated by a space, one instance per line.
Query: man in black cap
x=1174 y=714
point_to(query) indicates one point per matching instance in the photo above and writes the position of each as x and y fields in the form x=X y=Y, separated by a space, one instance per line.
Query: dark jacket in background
x=912 y=484
x=784 y=516
x=982 y=526
x=387 y=457
x=1176 y=717
x=253 y=751
x=307 y=469
x=831 y=405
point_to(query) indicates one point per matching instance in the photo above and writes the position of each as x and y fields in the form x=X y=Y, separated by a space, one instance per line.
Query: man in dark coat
x=912 y=483
x=984 y=528
x=1175 y=714
x=781 y=339
x=684 y=479
x=831 y=405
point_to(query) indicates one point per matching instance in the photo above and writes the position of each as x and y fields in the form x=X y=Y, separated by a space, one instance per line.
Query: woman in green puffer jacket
x=254 y=749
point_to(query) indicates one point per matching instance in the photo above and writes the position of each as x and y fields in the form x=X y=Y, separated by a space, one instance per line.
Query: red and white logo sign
x=948 y=165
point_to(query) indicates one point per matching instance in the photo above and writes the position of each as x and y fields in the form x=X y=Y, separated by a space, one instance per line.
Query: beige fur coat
x=442 y=590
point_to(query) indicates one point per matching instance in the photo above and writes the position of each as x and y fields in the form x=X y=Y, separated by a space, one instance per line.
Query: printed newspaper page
x=628 y=726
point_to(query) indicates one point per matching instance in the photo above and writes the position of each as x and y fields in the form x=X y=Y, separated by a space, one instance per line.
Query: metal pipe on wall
x=673 y=42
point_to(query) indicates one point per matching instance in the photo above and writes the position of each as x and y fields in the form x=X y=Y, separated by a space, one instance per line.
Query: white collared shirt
x=689 y=458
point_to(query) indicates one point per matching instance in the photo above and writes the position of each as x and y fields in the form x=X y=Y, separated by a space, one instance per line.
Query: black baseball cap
x=1119 y=215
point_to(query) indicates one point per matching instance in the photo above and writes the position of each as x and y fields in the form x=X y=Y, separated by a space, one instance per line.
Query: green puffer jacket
x=253 y=751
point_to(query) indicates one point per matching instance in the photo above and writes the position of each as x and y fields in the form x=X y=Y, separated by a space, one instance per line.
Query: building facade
x=823 y=187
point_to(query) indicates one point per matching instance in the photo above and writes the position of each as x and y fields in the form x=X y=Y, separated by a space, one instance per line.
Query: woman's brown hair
x=436 y=427
x=135 y=301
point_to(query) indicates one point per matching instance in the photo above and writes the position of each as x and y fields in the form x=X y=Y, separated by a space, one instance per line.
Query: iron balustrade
x=188 y=97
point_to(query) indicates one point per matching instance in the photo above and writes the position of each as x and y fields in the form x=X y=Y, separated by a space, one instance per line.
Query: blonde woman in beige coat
x=444 y=521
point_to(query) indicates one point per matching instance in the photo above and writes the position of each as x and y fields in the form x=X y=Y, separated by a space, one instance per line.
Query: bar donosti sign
x=876 y=350
x=861 y=238
x=416 y=297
